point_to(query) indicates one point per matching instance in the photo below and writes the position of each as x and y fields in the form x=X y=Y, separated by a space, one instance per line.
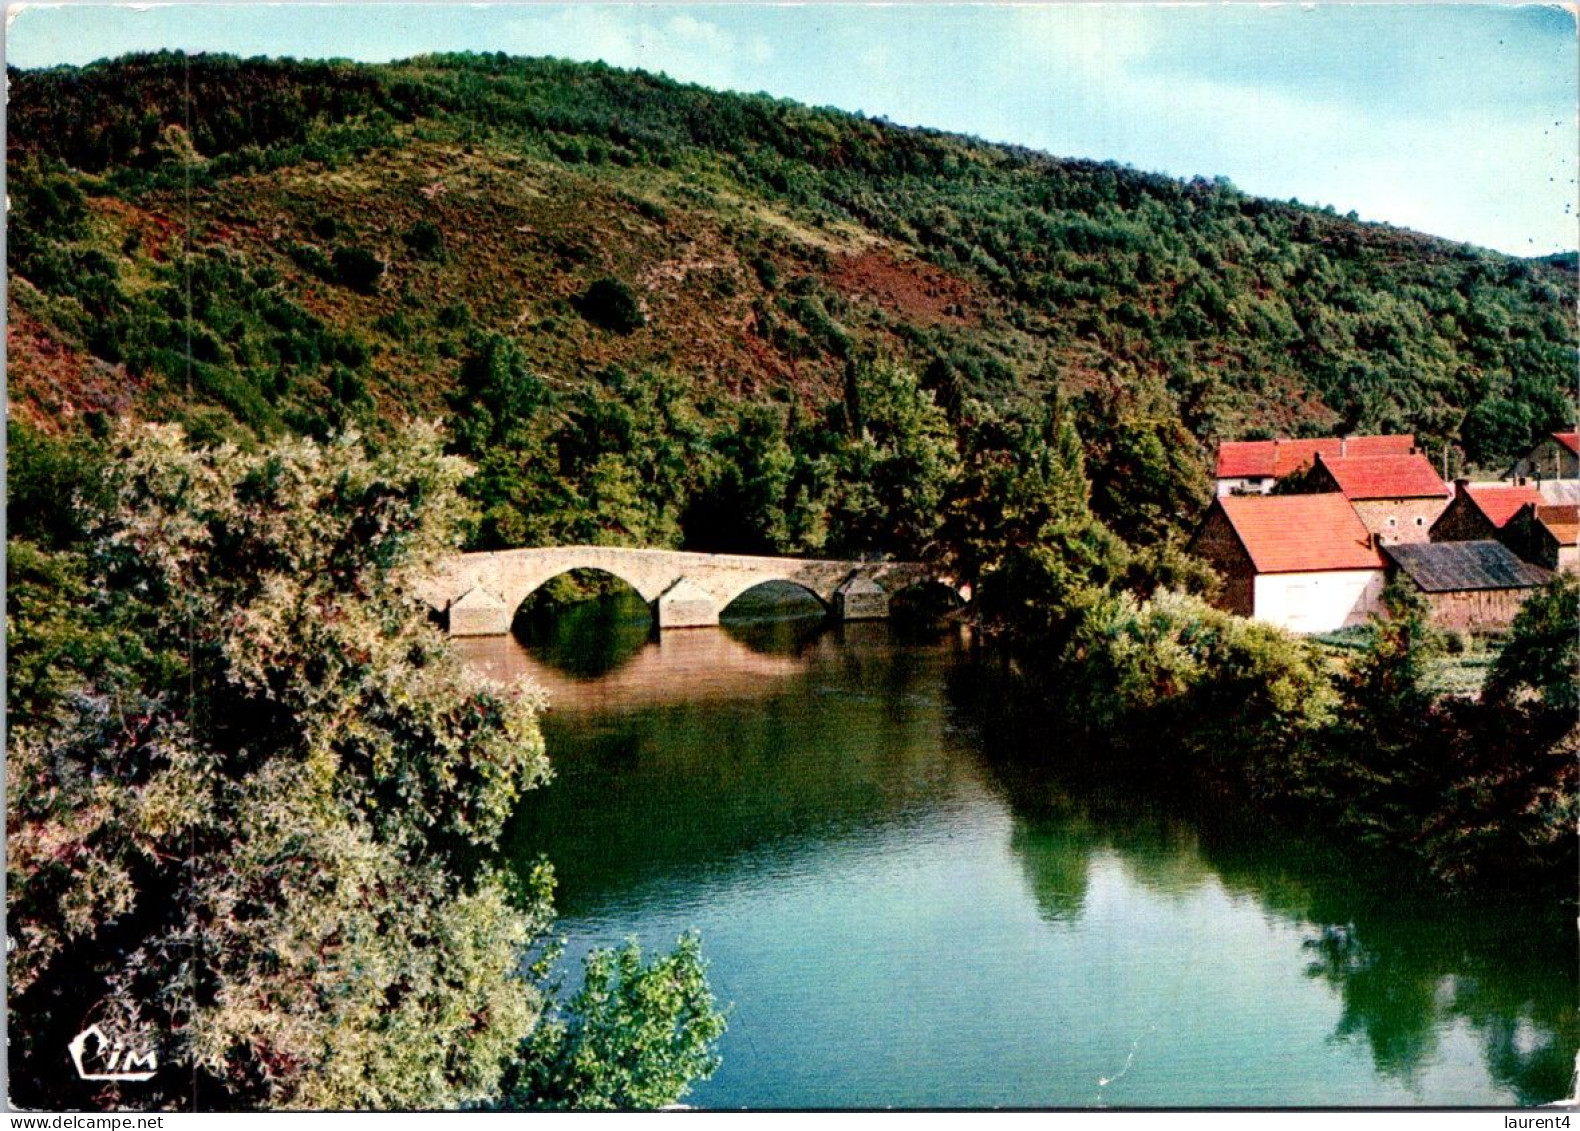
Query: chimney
x=1460 y=485
x=1344 y=446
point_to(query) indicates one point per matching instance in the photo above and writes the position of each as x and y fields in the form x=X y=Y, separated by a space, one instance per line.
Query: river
x=903 y=909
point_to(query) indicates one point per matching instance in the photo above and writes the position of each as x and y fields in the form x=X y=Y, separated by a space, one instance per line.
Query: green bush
x=358 y=268
x=426 y=241
x=609 y=303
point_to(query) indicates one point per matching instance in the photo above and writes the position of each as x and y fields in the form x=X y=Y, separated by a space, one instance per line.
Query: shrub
x=610 y=304
x=425 y=240
x=358 y=268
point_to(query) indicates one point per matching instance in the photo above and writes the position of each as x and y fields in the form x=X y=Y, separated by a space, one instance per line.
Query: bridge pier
x=860 y=598
x=477 y=612
x=685 y=605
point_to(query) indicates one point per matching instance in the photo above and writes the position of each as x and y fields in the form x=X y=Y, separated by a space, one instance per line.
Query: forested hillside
x=652 y=312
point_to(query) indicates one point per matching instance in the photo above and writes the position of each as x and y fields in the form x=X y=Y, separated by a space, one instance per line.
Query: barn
x=1470 y=586
x=1302 y=562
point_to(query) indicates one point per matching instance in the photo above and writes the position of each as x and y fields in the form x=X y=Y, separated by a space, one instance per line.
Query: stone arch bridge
x=480 y=593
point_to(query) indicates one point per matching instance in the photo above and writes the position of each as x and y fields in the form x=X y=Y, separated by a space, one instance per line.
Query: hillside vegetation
x=640 y=287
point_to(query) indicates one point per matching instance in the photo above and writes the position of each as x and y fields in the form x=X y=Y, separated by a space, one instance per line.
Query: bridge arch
x=736 y=592
x=517 y=597
x=927 y=597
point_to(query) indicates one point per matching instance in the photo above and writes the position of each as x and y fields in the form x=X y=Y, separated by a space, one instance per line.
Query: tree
x=1543 y=651
x=740 y=507
x=634 y=1036
x=1150 y=477
x=1020 y=528
x=260 y=839
x=1382 y=770
x=891 y=463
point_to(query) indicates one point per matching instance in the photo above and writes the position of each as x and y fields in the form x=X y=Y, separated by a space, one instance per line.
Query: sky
x=1458 y=120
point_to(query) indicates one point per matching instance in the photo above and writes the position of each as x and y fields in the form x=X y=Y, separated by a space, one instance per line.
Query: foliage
x=741 y=503
x=635 y=1036
x=609 y=303
x=611 y=464
x=891 y=453
x=1196 y=690
x=357 y=268
x=1020 y=528
x=1474 y=793
x=248 y=810
x=1543 y=650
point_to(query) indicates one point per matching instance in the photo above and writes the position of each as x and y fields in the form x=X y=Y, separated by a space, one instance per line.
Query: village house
x=1471 y=586
x=1559 y=492
x=1303 y=562
x=1398 y=497
x=1545 y=535
x=1251 y=467
x=1479 y=511
x=1555 y=457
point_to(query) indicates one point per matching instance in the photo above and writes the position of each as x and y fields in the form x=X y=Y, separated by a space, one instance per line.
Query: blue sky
x=1456 y=120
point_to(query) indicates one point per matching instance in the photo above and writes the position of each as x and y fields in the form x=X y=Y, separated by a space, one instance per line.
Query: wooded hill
x=262 y=246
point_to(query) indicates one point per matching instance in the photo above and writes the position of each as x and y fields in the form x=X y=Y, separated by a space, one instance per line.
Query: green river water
x=904 y=911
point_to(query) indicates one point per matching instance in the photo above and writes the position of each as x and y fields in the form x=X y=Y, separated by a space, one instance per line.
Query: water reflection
x=605 y=655
x=1409 y=966
x=908 y=907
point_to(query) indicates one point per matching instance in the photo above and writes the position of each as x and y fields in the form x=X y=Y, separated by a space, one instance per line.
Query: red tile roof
x=1385 y=477
x=1239 y=459
x=1300 y=533
x=1499 y=501
x=1570 y=440
x=1562 y=521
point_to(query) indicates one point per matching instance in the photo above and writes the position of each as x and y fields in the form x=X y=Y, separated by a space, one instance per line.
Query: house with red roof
x=1303 y=562
x=1251 y=467
x=1545 y=534
x=1480 y=510
x=1397 y=497
x=1556 y=456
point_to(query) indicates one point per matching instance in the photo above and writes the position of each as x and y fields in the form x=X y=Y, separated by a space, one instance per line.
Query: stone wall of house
x=1400 y=520
x=1462 y=521
x=1548 y=460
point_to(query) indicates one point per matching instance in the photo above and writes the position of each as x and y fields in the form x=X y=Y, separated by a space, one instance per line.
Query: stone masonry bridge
x=481 y=592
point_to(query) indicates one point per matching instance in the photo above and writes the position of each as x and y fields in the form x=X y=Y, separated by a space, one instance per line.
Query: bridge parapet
x=481 y=592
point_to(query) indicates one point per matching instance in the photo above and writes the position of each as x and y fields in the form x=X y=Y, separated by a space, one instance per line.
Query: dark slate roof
x=1443 y=567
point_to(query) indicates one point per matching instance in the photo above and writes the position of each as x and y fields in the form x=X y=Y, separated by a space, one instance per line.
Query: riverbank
x=1380 y=746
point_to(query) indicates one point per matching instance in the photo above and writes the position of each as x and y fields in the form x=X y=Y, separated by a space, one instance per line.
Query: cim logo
x=111 y=1060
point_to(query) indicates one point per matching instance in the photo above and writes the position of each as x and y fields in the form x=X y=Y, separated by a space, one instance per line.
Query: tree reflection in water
x=1407 y=963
